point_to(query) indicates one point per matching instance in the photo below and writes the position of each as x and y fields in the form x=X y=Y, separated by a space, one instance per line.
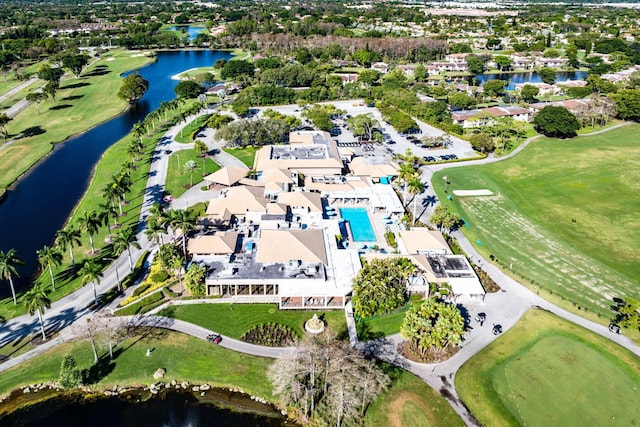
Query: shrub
x=137 y=308
x=70 y=375
x=270 y=334
x=159 y=277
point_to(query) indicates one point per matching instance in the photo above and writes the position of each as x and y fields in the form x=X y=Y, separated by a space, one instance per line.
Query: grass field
x=234 y=320
x=79 y=105
x=178 y=178
x=188 y=132
x=409 y=402
x=564 y=216
x=546 y=371
x=246 y=155
x=185 y=358
x=381 y=326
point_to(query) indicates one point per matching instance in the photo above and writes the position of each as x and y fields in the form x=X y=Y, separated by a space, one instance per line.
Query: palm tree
x=154 y=231
x=405 y=173
x=108 y=211
x=36 y=97
x=123 y=241
x=191 y=165
x=90 y=221
x=8 y=262
x=4 y=119
x=68 y=238
x=91 y=272
x=416 y=186
x=176 y=265
x=37 y=300
x=201 y=148
x=183 y=221
x=48 y=257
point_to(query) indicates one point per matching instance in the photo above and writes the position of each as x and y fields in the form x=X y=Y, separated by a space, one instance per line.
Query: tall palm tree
x=68 y=238
x=416 y=186
x=90 y=221
x=182 y=220
x=8 y=262
x=123 y=242
x=154 y=231
x=191 y=166
x=48 y=257
x=37 y=300
x=91 y=272
x=176 y=265
x=405 y=173
x=108 y=211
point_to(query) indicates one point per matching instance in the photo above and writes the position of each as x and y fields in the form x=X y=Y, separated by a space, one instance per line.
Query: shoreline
x=26 y=397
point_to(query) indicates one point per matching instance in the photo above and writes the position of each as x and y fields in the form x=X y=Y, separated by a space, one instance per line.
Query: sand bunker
x=466 y=193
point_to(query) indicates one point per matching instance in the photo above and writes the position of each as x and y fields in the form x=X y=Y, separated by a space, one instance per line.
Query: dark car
x=481 y=317
x=497 y=330
x=614 y=328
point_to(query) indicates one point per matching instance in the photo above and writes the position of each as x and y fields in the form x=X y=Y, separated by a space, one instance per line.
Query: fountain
x=314 y=325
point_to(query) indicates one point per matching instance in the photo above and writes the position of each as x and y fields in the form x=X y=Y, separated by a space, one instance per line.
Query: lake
x=191 y=31
x=39 y=203
x=170 y=409
x=532 y=77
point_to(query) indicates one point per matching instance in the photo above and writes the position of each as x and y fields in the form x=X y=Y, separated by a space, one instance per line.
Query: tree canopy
x=133 y=88
x=381 y=286
x=187 y=89
x=432 y=327
x=628 y=104
x=557 y=122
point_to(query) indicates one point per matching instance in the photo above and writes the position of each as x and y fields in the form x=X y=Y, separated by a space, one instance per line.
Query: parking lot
x=394 y=141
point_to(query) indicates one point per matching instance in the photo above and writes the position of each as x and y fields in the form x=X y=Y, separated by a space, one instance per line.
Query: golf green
x=548 y=372
x=562 y=215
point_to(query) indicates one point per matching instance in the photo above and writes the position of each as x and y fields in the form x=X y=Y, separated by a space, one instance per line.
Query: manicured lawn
x=79 y=105
x=546 y=371
x=409 y=402
x=178 y=178
x=234 y=320
x=188 y=133
x=185 y=358
x=381 y=326
x=246 y=155
x=564 y=216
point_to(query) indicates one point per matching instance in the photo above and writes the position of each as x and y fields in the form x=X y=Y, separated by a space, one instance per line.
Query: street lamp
x=115 y=263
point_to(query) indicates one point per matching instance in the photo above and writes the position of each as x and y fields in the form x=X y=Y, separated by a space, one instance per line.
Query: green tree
x=8 y=262
x=235 y=69
x=68 y=238
x=37 y=98
x=190 y=166
x=90 y=222
x=369 y=77
x=494 y=88
x=91 y=273
x=628 y=313
x=503 y=63
x=48 y=257
x=194 y=280
x=123 y=241
x=70 y=376
x=381 y=286
x=421 y=74
x=529 y=93
x=461 y=100
x=443 y=218
x=187 y=89
x=406 y=172
x=37 y=300
x=548 y=75
x=184 y=221
x=133 y=88
x=4 y=120
x=482 y=142
x=362 y=126
x=476 y=64
x=627 y=104
x=416 y=187
x=75 y=63
x=557 y=122
x=432 y=326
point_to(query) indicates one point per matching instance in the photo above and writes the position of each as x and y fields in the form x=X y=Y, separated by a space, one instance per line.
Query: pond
x=173 y=408
x=189 y=30
x=39 y=203
x=532 y=77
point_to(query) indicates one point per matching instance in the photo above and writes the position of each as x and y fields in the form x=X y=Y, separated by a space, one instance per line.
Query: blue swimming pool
x=361 y=228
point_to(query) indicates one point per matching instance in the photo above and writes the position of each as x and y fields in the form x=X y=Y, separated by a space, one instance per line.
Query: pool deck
x=378 y=225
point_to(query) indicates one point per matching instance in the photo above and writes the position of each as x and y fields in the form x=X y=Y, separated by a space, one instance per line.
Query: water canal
x=39 y=204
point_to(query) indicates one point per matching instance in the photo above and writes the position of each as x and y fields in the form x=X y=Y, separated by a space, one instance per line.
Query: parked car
x=614 y=328
x=497 y=329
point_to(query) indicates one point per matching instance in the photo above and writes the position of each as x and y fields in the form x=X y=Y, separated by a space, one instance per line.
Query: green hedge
x=142 y=306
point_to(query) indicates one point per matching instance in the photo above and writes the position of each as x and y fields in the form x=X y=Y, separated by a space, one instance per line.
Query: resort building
x=486 y=116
